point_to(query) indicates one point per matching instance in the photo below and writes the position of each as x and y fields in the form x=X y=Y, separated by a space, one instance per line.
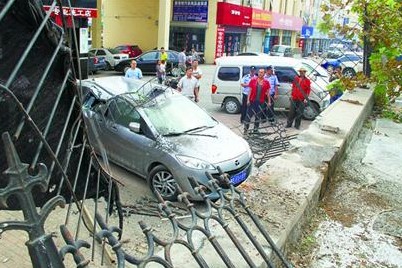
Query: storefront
x=286 y=29
x=233 y=22
x=188 y=25
x=260 y=33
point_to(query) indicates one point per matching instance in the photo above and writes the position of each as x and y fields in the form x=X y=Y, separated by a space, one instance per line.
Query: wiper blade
x=197 y=129
x=171 y=134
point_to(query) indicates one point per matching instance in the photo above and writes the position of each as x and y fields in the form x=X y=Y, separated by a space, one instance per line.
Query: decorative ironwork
x=42 y=250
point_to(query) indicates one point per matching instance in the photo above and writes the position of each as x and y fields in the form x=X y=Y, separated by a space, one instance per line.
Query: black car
x=147 y=62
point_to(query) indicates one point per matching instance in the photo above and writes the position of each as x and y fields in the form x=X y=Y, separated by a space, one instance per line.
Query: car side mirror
x=140 y=59
x=134 y=127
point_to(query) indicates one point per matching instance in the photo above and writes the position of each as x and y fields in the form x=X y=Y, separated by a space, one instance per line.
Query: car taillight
x=96 y=60
x=214 y=88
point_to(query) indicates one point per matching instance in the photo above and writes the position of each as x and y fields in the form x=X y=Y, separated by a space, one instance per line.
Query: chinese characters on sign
x=74 y=11
x=261 y=19
x=220 y=42
x=234 y=15
x=194 y=11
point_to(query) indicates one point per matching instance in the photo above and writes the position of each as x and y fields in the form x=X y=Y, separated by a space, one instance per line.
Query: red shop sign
x=79 y=12
x=234 y=15
x=220 y=42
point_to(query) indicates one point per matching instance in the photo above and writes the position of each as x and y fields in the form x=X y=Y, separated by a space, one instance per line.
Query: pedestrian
x=188 y=85
x=159 y=71
x=301 y=88
x=273 y=93
x=197 y=73
x=182 y=61
x=164 y=55
x=335 y=85
x=194 y=54
x=133 y=72
x=245 y=90
x=259 y=93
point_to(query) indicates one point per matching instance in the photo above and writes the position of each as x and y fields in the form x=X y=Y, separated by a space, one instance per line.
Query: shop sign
x=286 y=22
x=261 y=18
x=234 y=15
x=307 y=31
x=74 y=11
x=193 y=11
x=220 y=42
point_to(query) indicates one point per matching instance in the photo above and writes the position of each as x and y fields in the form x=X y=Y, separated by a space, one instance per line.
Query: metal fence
x=47 y=162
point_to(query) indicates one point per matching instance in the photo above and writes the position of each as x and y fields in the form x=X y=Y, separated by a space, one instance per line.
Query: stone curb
x=306 y=170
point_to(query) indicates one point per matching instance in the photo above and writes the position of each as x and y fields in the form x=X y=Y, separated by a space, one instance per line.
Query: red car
x=131 y=50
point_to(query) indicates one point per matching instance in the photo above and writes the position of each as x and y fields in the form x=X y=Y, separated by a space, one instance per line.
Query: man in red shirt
x=259 y=92
x=301 y=88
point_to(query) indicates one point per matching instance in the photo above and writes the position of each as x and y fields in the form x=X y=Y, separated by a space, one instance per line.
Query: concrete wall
x=131 y=22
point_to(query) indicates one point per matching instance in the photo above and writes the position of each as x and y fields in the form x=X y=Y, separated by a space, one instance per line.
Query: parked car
x=226 y=89
x=330 y=64
x=96 y=63
x=147 y=62
x=112 y=56
x=145 y=128
x=131 y=50
x=286 y=51
x=252 y=54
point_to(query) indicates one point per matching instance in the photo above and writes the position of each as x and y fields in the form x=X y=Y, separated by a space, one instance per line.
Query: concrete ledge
x=305 y=172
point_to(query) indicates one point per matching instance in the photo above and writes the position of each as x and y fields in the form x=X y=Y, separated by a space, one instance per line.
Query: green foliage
x=393 y=114
x=383 y=25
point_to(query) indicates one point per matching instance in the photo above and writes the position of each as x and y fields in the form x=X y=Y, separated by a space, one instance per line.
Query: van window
x=229 y=73
x=246 y=69
x=285 y=74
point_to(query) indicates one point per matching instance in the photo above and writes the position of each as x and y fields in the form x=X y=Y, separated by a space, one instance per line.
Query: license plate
x=239 y=177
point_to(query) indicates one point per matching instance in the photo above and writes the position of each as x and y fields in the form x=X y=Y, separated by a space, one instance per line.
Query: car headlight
x=195 y=163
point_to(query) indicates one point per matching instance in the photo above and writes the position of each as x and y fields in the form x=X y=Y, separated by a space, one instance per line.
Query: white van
x=226 y=89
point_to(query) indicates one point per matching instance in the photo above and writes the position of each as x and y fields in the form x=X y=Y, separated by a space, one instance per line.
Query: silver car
x=161 y=135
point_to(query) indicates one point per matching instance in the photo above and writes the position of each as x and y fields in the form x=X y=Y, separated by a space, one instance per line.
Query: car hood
x=213 y=145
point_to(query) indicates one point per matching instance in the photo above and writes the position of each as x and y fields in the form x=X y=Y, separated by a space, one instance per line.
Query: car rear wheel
x=232 y=106
x=311 y=111
x=348 y=72
x=161 y=180
x=108 y=66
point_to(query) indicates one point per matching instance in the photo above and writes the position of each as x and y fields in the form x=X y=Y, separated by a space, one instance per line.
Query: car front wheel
x=232 y=106
x=348 y=72
x=161 y=180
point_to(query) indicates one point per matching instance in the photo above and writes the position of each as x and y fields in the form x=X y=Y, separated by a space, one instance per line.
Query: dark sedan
x=330 y=64
x=147 y=61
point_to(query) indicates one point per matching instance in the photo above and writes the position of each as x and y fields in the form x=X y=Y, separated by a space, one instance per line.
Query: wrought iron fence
x=47 y=163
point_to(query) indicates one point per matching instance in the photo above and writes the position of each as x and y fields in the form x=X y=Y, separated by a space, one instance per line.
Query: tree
x=381 y=34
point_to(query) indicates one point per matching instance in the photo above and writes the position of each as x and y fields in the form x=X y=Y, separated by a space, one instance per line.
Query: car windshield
x=114 y=51
x=177 y=115
x=278 y=49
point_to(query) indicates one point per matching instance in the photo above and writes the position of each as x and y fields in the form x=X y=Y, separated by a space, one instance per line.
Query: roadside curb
x=305 y=172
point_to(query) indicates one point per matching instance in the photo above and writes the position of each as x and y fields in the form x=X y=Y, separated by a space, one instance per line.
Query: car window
x=100 y=53
x=172 y=56
x=92 y=51
x=285 y=74
x=149 y=56
x=246 y=69
x=229 y=73
x=277 y=48
x=121 y=48
x=114 y=51
x=122 y=112
x=134 y=47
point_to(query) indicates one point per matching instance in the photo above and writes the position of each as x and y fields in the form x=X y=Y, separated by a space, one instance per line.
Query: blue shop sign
x=307 y=31
x=191 y=11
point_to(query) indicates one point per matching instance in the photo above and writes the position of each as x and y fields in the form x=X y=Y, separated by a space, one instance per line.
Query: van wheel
x=161 y=180
x=311 y=111
x=232 y=106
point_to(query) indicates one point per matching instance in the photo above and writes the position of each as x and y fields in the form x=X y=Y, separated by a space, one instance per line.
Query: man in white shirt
x=182 y=60
x=188 y=85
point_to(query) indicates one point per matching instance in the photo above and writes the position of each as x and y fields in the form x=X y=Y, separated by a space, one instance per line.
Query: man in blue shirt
x=245 y=90
x=134 y=72
x=273 y=81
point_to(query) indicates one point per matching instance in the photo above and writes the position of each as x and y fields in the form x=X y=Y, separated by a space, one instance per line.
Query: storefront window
x=274 y=39
x=286 y=37
x=232 y=44
x=183 y=37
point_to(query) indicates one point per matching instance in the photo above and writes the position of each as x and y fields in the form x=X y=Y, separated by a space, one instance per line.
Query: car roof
x=257 y=60
x=136 y=91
